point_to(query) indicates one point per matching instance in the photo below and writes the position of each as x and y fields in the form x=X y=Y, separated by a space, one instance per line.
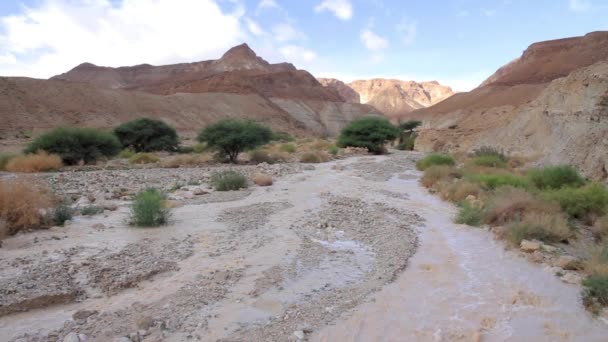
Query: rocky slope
x=347 y=93
x=240 y=84
x=551 y=104
x=396 y=98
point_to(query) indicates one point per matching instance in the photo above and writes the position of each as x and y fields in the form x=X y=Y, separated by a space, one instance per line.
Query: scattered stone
x=299 y=334
x=84 y=314
x=262 y=179
x=568 y=262
x=71 y=337
x=529 y=246
x=548 y=248
x=571 y=278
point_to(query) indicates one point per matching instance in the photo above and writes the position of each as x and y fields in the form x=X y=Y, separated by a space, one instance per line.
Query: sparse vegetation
x=555 y=177
x=76 y=145
x=541 y=226
x=282 y=137
x=368 y=132
x=231 y=137
x=407 y=143
x=5 y=158
x=149 y=209
x=470 y=214
x=488 y=151
x=333 y=150
x=62 y=213
x=437 y=173
x=435 y=159
x=489 y=161
x=186 y=160
x=38 y=162
x=228 y=181
x=459 y=190
x=289 y=148
x=21 y=202
x=91 y=210
x=595 y=293
x=261 y=156
x=144 y=158
x=587 y=202
x=126 y=153
x=147 y=135
x=600 y=228
x=499 y=180
x=311 y=158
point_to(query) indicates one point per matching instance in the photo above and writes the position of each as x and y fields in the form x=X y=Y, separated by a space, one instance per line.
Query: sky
x=457 y=42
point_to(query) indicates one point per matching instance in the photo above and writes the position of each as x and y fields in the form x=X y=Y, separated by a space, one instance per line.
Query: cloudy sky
x=458 y=42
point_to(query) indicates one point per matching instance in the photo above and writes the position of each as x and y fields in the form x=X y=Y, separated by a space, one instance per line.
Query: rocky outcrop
x=347 y=93
x=561 y=121
x=395 y=98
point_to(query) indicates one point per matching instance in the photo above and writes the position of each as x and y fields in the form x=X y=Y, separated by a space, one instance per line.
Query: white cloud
x=580 y=5
x=254 y=28
x=298 y=54
x=57 y=35
x=372 y=41
x=409 y=30
x=285 y=32
x=268 y=4
x=342 y=9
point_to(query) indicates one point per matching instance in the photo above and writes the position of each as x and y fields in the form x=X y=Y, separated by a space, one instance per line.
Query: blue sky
x=458 y=42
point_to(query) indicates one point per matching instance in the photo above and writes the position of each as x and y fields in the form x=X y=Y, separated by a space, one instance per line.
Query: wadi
x=235 y=199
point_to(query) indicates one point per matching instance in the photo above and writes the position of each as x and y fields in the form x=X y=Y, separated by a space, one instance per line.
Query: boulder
x=568 y=262
x=529 y=246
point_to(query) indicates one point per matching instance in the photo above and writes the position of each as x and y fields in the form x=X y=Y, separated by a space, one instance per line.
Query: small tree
x=76 y=144
x=146 y=135
x=231 y=136
x=410 y=126
x=368 y=132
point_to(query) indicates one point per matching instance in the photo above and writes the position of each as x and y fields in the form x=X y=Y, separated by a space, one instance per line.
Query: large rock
x=529 y=246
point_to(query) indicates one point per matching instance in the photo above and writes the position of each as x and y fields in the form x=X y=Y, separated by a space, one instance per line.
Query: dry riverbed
x=323 y=254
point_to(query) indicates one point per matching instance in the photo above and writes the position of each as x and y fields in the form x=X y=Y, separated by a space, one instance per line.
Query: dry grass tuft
x=596 y=261
x=186 y=160
x=539 y=225
x=600 y=229
x=437 y=173
x=39 y=162
x=314 y=157
x=511 y=204
x=262 y=179
x=460 y=190
x=21 y=202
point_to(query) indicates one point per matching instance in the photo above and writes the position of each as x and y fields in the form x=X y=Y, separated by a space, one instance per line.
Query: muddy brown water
x=461 y=285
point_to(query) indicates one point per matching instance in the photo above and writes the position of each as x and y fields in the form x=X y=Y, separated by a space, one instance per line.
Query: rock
x=571 y=278
x=471 y=198
x=537 y=257
x=82 y=337
x=262 y=179
x=529 y=246
x=71 y=337
x=145 y=323
x=83 y=314
x=568 y=262
x=548 y=248
x=99 y=226
x=299 y=334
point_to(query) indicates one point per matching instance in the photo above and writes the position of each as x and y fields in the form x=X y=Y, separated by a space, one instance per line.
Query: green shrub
x=231 y=137
x=333 y=150
x=91 y=210
x=469 y=214
x=489 y=161
x=496 y=181
x=368 y=132
x=5 y=158
x=199 y=148
x=261 y=156
x=488 y=151
x=147 y=135
x=149 y=209
x=289 y=148
x=410 y=126
x=556 y=177
x=144 y=158
x=540 y=226
x=595 y=293
x=586 y=202
x=282 y=137
x=76 y=144
x=407 y=143
x=126 y=153
x=435 y=159
x=228 y=180
x=62 y=213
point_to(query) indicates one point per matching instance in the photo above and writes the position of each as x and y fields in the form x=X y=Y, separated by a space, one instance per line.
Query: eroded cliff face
x=566 y=123
x=347 y=93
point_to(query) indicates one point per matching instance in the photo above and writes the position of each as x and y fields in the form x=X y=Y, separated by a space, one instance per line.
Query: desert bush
x=282 y=137
x=469 y=214
x=488 y=151
x=5 y=158
x=489 y=161
x=555 y=177
x=262 y=179
x=368 y=132
x=231 y=137
x=541 y=226
x=126 y=153
x=435 y=159
x=144 y=158
x=149 y=209
x=312 y=158
x=62 y=213
x=147 y=135
x=437 y=173
x=596 y=258
x=261 y=156
x=333 y=150
x=510 y=204
x=199 y=148
x=600 y=228
x=21 y=202
x=587 y=202
x=460 y=190
x=186 y=160
x=74 y=145
x=91 y=210
x=38 y=162
x=407 y=143
x=321 y=145
x=289 y=148
x=495 y=181
x=228 y=181
x=595 y=293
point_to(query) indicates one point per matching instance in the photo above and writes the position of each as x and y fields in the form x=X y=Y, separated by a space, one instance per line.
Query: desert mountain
x=550 y=102
x=188 y=95
x=347 y=93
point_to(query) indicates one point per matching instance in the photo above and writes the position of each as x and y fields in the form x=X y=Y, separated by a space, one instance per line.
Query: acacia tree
x=368 y=132
x=231 y=136
x=146 y=135
x=410 y=126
